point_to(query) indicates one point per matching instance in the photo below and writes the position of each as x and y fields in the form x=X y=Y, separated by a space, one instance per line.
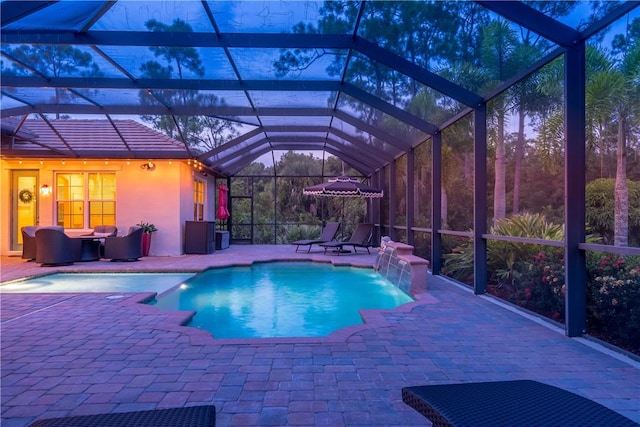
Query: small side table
x=222 y=240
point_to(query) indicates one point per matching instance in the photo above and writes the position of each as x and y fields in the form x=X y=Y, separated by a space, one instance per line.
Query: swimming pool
x=97 y=282
x=281 y=299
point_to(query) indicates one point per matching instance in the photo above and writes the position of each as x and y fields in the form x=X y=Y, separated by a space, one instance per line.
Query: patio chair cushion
x=102 y=234
x=191 y=416
x=105 y=230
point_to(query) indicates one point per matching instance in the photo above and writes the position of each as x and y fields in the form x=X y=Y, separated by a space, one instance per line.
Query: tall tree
x=423 y=32
x=498 y=44
x=55 y=61
x=204 y=132
x=613 y=99
x=525 y=97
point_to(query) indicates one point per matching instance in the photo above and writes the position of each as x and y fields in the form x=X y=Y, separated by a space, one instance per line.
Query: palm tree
x=498 y=44
x=613 y=107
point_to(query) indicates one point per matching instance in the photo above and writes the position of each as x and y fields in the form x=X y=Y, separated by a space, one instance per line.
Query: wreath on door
x=25 y=196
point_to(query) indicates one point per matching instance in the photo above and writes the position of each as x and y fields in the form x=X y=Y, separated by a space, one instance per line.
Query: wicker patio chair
x=124 y=248
x=508 y=403
x=53 y=247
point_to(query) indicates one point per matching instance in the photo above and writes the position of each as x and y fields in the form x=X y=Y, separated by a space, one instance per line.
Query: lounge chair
x=56 y=248
x=124 y=248
x=328 y=234
x=508 y=403
x=189 y=416
x=361 y=238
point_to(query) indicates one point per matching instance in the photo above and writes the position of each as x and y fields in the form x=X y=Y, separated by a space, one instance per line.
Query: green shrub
x=600 y=209
x=533 y=277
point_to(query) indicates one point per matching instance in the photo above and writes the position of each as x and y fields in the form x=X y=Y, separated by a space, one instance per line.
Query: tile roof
x=96 y=137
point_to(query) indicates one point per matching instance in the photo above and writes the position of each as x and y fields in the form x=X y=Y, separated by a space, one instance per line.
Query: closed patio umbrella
x=222 y=212
x=343 y=186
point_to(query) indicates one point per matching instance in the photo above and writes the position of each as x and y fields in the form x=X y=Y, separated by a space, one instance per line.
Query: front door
x=24 y=204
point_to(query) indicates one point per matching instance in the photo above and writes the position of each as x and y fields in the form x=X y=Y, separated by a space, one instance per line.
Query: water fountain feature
x=396 y=262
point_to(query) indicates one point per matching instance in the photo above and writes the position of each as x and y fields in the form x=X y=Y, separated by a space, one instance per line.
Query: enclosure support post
x=436 y=203
x=392 y=199
x=377 y=203
x=410 y=196
x=480 y=200
x=574 y=190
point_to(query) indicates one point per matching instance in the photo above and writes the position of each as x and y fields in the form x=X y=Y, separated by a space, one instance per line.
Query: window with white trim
x=85 y=199
x=198 y=200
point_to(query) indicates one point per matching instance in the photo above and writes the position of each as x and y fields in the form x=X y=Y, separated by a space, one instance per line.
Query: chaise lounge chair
x=508 y=403
x=189 y=416
x=361 y=238
x=328 y=234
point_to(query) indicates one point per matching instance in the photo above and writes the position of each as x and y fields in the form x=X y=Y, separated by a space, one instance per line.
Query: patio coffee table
x=90 y=248
x=508 y=403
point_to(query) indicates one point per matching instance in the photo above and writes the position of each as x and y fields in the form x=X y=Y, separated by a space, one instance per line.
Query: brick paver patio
x=77 y=354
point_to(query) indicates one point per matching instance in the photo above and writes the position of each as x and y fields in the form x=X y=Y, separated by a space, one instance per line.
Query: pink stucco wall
x=163 y=196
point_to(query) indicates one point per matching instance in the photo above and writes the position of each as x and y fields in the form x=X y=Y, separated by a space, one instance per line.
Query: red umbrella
x=222 y=212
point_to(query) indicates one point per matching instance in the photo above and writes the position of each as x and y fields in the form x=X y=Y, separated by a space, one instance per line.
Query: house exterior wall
x=162 y=196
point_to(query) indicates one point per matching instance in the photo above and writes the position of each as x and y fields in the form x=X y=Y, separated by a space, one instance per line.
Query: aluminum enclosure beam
x=534 y=20
x=222 y=85
x=249 y=40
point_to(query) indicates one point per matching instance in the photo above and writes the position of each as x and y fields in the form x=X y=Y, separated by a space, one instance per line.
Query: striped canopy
x=343 y=186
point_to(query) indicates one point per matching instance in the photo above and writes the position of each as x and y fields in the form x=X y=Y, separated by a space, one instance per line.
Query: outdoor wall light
x=45 y=190
x=148 y=166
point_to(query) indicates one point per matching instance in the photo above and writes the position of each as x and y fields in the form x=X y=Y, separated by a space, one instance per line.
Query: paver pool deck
x=77 y=354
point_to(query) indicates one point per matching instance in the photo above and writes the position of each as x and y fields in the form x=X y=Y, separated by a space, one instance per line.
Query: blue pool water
x=281 y=299
x=98 y=282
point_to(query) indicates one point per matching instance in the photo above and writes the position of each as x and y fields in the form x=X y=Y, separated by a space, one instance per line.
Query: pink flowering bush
x=533 y=277
x=613 y=299
x=542 y=277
